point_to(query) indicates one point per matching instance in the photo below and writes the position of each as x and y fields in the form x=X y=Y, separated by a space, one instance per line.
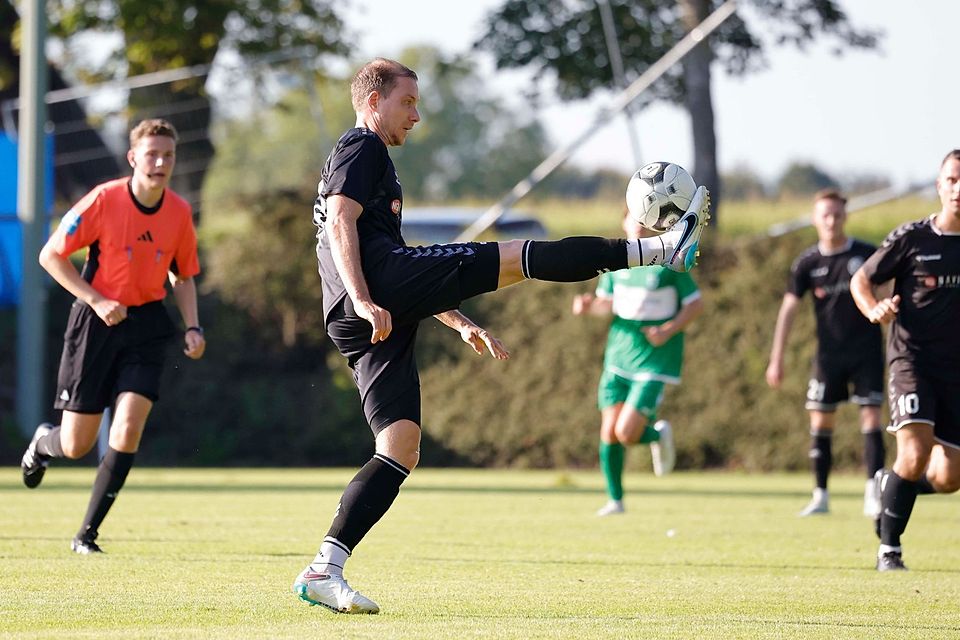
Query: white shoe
x=663 y=451
x=612 y=507
x=682 y=241
x=871 y=498
x=332 y=592
x=820 y=503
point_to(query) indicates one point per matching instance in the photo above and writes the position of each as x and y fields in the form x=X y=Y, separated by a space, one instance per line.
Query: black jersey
x=359 y=168
x=841 y=328
x=925 y=264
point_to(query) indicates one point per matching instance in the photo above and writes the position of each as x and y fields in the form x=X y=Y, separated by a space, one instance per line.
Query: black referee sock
x=572 y=259
x=50 y=445
x=873 y=451
x=821 y=455
x=366 y=499
x=111 y=475
x=898 y=497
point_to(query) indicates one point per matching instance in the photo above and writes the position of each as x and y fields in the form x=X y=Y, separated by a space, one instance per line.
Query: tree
x=803 y=179
x=565 y=40
x=180 y=33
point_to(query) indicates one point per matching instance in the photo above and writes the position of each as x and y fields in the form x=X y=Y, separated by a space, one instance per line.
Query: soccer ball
x=659 y=194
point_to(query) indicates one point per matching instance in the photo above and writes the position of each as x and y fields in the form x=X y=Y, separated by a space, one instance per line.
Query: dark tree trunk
x=699 y=103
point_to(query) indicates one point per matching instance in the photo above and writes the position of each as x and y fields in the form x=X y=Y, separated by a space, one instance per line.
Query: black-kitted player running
x=376 y=290
x=923 y=353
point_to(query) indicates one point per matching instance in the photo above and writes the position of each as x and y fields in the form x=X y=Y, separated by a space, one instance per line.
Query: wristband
x=197 y=329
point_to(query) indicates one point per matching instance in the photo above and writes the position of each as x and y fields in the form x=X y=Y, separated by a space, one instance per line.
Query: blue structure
x=11 y=245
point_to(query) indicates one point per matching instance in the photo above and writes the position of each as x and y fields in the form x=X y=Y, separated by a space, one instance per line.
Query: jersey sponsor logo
x=932 y=257
x=71 y=221
x=946 y=282
x=831 y=289
x=853 y=264
x=395 y=207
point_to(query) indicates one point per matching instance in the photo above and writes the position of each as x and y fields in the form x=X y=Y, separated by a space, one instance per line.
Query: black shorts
x=99 y=362
x=921 y=396
x=832 y=375
x=412 y=283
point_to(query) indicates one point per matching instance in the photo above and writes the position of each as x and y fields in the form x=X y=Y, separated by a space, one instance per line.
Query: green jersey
x=645 y=296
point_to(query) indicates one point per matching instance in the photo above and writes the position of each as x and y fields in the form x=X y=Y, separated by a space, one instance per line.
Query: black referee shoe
x=891 y=561
x=85 y=545
x=34 y=464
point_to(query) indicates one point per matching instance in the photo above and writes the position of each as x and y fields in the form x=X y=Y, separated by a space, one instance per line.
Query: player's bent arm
x=687 y=314
x=594 y=305
x=785 y=316
x=341 y=227
x=185 y=295
x=473 y=334
x=67 y=276
x=876 y=311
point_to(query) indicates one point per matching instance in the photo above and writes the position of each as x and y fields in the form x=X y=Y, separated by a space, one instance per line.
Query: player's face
x=948 y=186
x=152 y=159
x=396 y=113
x=829 y=216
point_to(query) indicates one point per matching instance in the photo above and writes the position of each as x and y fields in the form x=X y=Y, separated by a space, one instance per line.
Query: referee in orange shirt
x=138 y=233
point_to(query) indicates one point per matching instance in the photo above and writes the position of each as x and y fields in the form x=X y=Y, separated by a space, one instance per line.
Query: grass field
x=472 y=554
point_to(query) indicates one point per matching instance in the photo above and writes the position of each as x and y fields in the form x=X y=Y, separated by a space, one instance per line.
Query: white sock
x=820 y=494
x=634 y=253
x=651 y=250
x=886 y=548
x=331 y=557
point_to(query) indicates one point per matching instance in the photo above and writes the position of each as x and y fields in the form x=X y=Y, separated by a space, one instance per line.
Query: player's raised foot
x=891 y=561
x=871 y=498
x=85 y=545
x=818 y=505
x=681 y=242
x=332 y=592
x=612 y=507
x=663 y=451
x=34 y=464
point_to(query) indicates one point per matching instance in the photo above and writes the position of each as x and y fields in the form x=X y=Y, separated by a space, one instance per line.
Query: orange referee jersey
x=131 y=248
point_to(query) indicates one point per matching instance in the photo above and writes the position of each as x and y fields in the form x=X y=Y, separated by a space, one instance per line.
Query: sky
x=891 y=112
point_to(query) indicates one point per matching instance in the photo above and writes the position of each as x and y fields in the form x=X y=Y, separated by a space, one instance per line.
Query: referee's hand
x=378 y=317
x=110 y=311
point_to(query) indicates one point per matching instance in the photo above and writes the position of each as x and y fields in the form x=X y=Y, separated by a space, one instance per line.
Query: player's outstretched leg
x=331 y=591
x=662 y=450
x=681 y=242
x=34 y=464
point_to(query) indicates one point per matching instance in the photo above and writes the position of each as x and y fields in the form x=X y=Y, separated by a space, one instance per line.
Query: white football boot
x=333 y=592
x=682 y=241
x=663 y=451
x=819 y=504
x=611 y=508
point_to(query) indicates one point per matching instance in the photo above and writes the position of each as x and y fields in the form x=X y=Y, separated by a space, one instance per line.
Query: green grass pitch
x=472 y=554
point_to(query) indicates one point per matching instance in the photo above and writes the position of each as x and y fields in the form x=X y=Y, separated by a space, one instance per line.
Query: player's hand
x=581 y=303
x=110 y=311
x=378 y=317
x=481 y=340
x=885 y=310
x=195 y=343
x=656 y=335
x=774 y=374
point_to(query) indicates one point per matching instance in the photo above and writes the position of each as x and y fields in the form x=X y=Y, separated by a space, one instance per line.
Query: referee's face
x=396 y=113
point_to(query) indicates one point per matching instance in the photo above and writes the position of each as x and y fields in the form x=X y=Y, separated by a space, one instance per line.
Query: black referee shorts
x=99 y=361
x=412 y=283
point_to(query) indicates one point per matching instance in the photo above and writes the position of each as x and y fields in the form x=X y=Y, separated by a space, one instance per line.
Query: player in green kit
x=651 y=306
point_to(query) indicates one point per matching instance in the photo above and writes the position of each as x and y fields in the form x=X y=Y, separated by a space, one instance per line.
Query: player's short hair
x=152 y=127
x=955 y=154
x=380 y=75
x=830 y=193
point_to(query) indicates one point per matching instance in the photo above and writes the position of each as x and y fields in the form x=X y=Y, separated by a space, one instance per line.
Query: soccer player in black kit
x=849 y=347
x=923 y=354
x=376 y=290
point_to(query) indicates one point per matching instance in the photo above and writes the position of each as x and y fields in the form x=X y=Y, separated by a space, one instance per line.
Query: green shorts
x=643 y=395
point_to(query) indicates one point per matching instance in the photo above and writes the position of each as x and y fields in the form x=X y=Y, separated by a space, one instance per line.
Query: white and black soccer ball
x=659 y=194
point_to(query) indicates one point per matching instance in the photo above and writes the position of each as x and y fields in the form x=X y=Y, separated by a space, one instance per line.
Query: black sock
x=366 y=499
x=49 y=445
x=923 y=485
x=873 y=451
x=898 y=497
x=111 y=475
x=572 y=259
x=821 y=455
